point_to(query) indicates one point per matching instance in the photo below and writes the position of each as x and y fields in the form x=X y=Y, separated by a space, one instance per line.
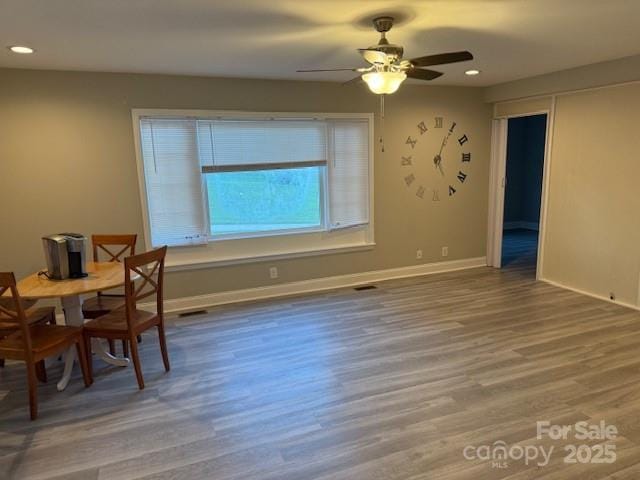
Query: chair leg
x=33 y=390
x=88 y=355
x=112 y=347
x=125 y=348
x=139 y=337
x=41 y=371
x=84 y=361
x=1 y=362
x=163 y=347
x=136 y=362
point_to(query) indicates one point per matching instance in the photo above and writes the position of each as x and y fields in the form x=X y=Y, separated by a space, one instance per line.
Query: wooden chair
x=128 y=322
x=34 y=316
x=32 y=343
x=104 y=303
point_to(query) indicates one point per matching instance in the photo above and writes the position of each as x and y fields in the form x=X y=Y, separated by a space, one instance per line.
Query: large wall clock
x=436 y=159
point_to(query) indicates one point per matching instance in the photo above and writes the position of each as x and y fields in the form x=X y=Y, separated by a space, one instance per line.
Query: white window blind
x=173 y=181
x=348 y=173
x=179 y=153
x=241 y=145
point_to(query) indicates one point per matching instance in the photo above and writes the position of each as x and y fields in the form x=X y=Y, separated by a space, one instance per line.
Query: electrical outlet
x=273 y=272
x=445 y=251
x=418 y=254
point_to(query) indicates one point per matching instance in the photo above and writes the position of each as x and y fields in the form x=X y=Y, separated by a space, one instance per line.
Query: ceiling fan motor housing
x=383 y=25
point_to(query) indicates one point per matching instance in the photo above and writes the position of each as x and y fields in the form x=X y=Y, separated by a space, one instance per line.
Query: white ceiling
x=510 y=39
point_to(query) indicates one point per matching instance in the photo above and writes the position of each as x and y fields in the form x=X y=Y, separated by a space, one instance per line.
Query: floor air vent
x=191 y=314
x=365 y=287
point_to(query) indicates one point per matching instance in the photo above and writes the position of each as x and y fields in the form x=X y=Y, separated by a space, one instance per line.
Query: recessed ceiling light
x=472 y=72
x=21 y=49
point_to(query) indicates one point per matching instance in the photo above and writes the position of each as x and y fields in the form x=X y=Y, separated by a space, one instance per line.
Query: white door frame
x=497 y=179
x=497 y=182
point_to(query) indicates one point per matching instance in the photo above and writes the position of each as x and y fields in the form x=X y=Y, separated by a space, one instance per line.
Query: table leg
x=98 y=347
x=72 y=306
x=69 y=358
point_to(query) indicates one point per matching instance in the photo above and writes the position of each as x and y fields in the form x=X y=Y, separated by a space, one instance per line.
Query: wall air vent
x=365 y=287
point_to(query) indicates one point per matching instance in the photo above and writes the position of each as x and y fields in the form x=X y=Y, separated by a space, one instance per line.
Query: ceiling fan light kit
x=384 y=83
x=387 y=70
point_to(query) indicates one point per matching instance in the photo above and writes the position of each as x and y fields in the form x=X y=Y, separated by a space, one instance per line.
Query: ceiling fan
x=387 y=70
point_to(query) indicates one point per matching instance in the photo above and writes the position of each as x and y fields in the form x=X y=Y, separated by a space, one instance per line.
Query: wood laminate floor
x=391 y=383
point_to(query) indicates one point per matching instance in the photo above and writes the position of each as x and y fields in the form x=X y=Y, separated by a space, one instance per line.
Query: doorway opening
x=518 y=184
x=526 y=141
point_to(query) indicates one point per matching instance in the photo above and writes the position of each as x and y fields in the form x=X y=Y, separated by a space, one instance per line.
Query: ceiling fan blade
x=353 y=80
x=329 y=70
x=423 y=74
x=441 y=59
x=374 y=56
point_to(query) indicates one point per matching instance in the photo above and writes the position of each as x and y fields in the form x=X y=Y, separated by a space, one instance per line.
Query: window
x=265 y=200
x=208 y=178
x=263 y=176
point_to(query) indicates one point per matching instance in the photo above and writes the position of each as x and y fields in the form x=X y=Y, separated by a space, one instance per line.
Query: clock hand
x=444 y=142
x=437 y=162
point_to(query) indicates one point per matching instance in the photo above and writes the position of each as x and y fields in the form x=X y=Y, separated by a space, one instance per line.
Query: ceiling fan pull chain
x=382 y=122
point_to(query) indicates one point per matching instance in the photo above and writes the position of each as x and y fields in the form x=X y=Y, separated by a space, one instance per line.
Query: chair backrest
x=101 y=244
x=149 y=267
x=12 y=310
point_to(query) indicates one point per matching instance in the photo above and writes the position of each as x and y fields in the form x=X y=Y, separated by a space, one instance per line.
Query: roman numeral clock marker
x=433 y=162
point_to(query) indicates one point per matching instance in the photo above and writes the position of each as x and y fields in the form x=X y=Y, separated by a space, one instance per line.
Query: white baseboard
x=202 y=302
x=592 y=295
x=521 y=225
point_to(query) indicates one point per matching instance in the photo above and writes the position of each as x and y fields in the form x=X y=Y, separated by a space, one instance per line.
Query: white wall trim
x=592 y=295
x=201 y=302
x=546 y=181
x=497 y=176
x=497 y=182
x=520 y=115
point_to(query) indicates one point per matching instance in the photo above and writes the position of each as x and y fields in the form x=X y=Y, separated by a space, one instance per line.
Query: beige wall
x=593 y=224
x=592 y=235
x=522 y=107
x=596 y=75
x=68 y=164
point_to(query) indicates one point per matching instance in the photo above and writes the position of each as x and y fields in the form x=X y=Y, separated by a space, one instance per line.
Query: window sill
x=180 y=265
x=269 y=248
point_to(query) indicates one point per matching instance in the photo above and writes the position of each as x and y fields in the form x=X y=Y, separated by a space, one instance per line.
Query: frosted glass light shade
x=384 y=82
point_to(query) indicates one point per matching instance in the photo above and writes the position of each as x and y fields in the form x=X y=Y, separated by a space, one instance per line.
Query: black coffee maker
x=65 y=254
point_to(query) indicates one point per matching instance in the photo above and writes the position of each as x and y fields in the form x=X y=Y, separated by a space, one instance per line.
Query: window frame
x=302 y=242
